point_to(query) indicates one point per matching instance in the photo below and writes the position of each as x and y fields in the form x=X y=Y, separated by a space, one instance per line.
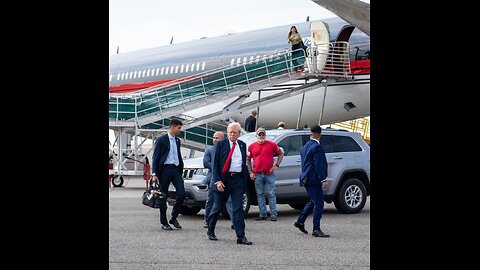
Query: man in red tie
x=229 y=173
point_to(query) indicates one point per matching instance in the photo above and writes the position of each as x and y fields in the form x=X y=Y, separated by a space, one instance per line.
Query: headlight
x=203 y=172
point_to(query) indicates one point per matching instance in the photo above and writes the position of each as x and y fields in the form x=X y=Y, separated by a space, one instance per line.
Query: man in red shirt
x=262 y=152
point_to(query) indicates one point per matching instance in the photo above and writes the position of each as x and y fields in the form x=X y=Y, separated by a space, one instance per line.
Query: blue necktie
x=175 y=153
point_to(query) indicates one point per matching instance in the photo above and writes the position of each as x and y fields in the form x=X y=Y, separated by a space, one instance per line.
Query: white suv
x=348 y=157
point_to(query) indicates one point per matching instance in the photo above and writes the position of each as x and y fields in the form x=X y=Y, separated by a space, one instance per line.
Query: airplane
x=353 y=11
x=345 y=99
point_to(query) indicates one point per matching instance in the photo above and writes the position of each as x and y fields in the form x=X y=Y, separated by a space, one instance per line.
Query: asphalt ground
x=136 y=240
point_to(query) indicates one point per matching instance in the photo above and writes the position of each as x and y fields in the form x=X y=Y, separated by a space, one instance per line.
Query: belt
x=170 y=165
x=233 y=173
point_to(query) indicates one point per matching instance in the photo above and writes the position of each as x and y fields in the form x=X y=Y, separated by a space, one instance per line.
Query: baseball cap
x=259 y=130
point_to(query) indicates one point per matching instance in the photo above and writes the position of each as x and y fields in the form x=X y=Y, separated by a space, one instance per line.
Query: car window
x=291 y=145
x=345 y=144
x=327 y=143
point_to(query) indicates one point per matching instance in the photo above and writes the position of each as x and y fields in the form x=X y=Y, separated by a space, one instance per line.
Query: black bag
x=153 y=197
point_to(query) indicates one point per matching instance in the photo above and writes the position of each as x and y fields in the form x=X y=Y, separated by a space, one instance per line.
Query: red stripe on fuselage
x=360 y=67
x=131 y=87
x=357 y=67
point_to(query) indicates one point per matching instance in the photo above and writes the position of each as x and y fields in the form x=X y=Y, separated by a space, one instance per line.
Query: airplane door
x=320 y=37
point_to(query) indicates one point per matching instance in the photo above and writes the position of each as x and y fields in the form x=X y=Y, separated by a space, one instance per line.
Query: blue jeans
x=209 y=203
x=264 y=182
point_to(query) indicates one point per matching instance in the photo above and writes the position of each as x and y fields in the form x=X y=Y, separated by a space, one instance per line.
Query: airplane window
x=176 y=69
x=118 y=76
x=135 y=74
x=181 y=68
x=203 y=66
x=161 y=72
x=198 y=66
x=232 y=62
x=171 y=69
x=111 y=76
x=148 y=73
x=143 y=73
x=166 y=71
x=188 y=66
x=130 y=74
x=122 y=76
x=158 y=69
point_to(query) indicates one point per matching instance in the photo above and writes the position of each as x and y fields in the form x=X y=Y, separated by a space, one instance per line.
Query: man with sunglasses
x=262 y=151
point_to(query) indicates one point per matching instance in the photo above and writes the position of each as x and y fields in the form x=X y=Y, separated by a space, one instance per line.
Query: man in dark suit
x=167 y=166
x=229 y=174
x=251 y=122
x=314 y=178
x=207 y=163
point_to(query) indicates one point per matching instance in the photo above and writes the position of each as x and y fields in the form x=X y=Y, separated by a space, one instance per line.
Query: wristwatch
x=278 y=165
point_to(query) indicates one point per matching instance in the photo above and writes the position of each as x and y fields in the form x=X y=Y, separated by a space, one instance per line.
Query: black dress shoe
x=175 y=223
x=319 y=233
x=243 y=240
x=211 y=236
x=300 y=226
x=166 y=227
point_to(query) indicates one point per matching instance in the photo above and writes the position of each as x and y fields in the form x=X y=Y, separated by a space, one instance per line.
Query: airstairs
x=148 y=112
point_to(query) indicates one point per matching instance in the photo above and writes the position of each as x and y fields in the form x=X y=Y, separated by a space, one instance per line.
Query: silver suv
x=348 y=157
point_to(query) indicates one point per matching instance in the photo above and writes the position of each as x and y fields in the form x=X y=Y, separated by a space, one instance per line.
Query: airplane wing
x=353 y=11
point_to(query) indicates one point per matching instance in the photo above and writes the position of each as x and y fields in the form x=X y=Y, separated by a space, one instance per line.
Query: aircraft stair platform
x=154 y=104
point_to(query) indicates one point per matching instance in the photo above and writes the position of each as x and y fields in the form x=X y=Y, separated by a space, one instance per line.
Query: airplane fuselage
x=137 y=70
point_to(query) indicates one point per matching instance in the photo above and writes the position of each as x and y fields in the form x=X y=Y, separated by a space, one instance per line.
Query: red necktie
x=229 y=159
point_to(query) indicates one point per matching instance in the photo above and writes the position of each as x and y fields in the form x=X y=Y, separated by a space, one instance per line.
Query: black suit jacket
x=160 y=154
x=250 y=123
x=222 y=148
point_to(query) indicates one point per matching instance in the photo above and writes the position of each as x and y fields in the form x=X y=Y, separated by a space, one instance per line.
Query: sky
x=142 y=24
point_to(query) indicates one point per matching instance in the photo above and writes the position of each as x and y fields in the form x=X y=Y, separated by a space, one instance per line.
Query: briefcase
x=153 y=197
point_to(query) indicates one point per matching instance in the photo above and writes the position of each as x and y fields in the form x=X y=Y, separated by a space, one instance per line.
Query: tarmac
x=136 y=240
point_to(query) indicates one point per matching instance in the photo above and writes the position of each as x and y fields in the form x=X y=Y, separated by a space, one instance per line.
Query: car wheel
x=190 y=211
x=117 y=181
x=351 y=197
x=246 y=205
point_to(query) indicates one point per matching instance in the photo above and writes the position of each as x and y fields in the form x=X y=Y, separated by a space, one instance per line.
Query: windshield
x=251 y=138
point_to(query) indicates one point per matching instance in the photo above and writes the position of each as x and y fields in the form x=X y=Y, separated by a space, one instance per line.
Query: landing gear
x=117 y=181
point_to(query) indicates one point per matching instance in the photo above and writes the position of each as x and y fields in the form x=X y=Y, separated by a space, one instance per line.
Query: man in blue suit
x=229 y=175
x=167 y=166
x=314 y=178
x=207 y=163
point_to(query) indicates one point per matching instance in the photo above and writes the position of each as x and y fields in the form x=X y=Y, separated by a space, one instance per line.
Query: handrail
x=225 y=80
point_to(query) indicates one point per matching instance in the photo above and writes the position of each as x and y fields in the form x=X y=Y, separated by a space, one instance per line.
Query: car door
x=287 y=176
x=337 y=162
x=351 y=152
